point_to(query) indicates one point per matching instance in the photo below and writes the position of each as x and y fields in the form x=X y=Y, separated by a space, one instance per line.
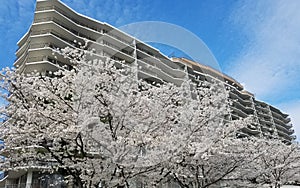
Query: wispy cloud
x=15 y=19
x=293 y=108
x=269 y=64
x=115 y=12
x=2 y=102
x=16 y=15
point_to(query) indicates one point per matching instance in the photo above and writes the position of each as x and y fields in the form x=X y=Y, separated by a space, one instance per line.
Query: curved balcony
x=241 y=94
x=38 y=54
x=114 y=51
x=262 y=109
x=152 y=70
x=53 y=15
x=196 y=76
x=245 y=102
x=29 y=56
x=95 y=35
x=57 y=43
x=19 y=61
x=267 y=122
x=269 y=135
x=283 y=129
x=53 y=10
x=117 y=40
x=24 y=38
x=291 y=131
x=22 y=49
x=286 y=136
x=280 y=122
x=161 y=65
x=239 y=112
x=281 y=117
x=250 y=131
x=58 y=29
x=263 y=114
x=40 y=66
x=247 y=109
x=174 y=72
x=86 y=22
x=78 y=31
x=267 y=128
x=148 y=77
x=288 y=125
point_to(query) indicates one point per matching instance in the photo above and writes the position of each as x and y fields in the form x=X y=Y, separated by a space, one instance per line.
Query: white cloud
x=15 y=19
x=269 y=65
x=2 y=102
x=115 y=12
x=25 y=8
x=293 y=108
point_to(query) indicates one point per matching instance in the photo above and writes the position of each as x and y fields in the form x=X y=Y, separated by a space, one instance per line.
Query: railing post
x=29 y=179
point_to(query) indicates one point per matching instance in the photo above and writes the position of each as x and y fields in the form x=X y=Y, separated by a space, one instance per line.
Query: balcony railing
x=152 y=70
x=262 y=107
x=239 y=112
x=246 y=108
x=245 y=102
x=60 y=23
x=98 y=30
x=285 y=135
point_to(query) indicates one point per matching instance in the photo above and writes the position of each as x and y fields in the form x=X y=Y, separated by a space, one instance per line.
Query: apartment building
x=270 y=121
x=56 y=25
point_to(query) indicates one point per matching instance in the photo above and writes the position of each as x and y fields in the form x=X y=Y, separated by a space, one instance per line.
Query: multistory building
x=270 y=121
x=56 y=26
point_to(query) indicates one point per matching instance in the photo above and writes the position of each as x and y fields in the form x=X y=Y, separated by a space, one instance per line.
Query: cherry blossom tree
x=276 y=163
x=98 y=125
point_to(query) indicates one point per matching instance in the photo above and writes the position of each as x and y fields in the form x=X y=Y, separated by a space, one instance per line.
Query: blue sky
x=255 y=41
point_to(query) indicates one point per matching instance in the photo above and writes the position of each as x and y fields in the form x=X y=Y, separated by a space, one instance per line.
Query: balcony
x=239 y=93
x=99 y=29
x=289 y=125
x=239 y=112
x=247 y=109
x=175 y=73
x=84 y=33
x=278 y=121
x=245 y=102
x=251 y=131
x=117 y=42
x=291 y=131
x=149 y=77
x=263 y=114
x=267 y=128
x=115 y=50
x=283 y=129
x=285 y=135
x=265 y=121
x=263 y=109
x=22 y=48
x=281 y=117
x=156 y=72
